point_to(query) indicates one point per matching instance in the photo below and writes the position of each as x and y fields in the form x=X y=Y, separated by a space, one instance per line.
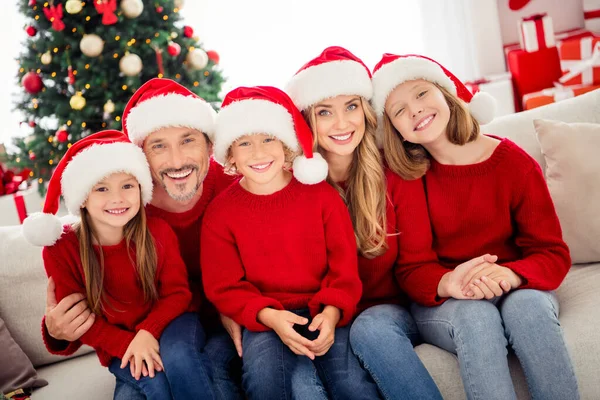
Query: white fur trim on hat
x=483 y=107
x=310 y=170
x=327 y=80
x=42 y=229
x=246 y=117
x=169 y=110
x=403 y=69
x=96 y=162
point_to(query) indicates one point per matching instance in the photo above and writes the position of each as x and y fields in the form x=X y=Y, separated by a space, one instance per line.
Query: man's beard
x=179 y=195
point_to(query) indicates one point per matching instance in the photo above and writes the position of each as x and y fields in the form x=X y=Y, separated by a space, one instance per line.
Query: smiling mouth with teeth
x=261 y=167
x=424 y=122
x=341 y=138
x=117 y=211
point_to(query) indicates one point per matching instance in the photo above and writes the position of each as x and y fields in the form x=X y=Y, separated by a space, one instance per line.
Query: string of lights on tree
x=84 y=59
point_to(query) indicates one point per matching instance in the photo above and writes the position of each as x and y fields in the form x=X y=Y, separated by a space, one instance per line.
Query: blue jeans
x=383 y=338
x=226 y=365
x=479 y=331
x=272 y=371
x=187 y=371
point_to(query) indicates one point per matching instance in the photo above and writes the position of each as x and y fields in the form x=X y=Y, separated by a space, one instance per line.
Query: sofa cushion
x=23 y=294
x=573 y=177
x=17 y=372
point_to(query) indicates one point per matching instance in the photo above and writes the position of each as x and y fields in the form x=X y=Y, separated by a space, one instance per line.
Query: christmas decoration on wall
x=32 y=82
x=197 y=59
x=132 y=8
x=73 y=6
x=91 y=45
x=130 y=64
x=107 y=8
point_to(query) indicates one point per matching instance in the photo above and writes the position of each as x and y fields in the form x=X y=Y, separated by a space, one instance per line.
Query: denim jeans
x=187 y=371
x=479 y=331
x=226 y=364
x=272 y=371
x=383 y=338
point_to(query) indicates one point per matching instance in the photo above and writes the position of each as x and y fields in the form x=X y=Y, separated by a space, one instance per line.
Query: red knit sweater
x=126 y=311
x=187 y=227
x=500 y=206
x=404 y=206
x=288 y=250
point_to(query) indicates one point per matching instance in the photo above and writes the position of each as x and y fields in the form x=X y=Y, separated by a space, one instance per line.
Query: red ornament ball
x=213 y=56
x=62 y=136
x=31 y=31
x=32 y=3
x=159 y=9
x=32 y=156
x=173 y=49
x=32 y=82
x=188 y=31
x=32 y=124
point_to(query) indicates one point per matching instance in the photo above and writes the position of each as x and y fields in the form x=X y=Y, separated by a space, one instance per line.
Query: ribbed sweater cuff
x=336 y=298
x=58 y=347
x=250 y=313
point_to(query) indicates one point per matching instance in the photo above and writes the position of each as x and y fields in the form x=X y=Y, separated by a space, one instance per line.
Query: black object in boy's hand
x=305 y=332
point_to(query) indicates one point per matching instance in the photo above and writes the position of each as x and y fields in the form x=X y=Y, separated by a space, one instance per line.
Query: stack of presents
x=547 y=66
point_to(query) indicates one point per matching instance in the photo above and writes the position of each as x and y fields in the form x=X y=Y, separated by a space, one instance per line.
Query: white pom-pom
x=42 y=229
x=310 y=170
x=483 y=107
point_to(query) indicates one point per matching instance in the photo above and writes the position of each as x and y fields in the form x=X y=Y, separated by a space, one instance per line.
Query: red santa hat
x=393 y=70
x=336 y=71
x=161 y=103
x=85 y=164
x=268 y=110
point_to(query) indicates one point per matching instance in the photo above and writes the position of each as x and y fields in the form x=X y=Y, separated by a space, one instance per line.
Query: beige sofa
x=23 y=291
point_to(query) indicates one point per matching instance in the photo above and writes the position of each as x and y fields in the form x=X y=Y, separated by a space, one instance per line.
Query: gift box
x=13 y=208
x=500 y=87
x=552 y=95
x=580 y=59
x=536 y=33
x=533 y=71
x=591 y=14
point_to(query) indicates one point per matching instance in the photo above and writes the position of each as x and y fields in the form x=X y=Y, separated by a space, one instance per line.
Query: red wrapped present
x=535 y=71
x=500 y=87
x=536 y=32
x=552 y=95
x=580 y=58
x=571 y=34
x=591 y=14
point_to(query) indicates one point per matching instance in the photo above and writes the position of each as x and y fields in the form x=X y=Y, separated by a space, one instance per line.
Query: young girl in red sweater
x=128 y=265
x=278 y=251
x=485 y=195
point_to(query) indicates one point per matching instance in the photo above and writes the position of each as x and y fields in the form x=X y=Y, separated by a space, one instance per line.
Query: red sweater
x=187 y=227
x=405 y=203
x=126 y=313
x=500 y=206
x=289 y=250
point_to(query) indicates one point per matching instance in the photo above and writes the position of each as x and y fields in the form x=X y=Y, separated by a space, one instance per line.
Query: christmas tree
x=83 y=60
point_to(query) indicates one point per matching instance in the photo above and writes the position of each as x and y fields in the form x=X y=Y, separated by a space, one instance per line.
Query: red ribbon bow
x=54 y=14
x=9 y=181
x=107 y=8
x=535 y=17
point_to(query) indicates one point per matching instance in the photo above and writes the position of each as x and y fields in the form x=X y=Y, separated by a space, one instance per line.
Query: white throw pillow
x=572 y=155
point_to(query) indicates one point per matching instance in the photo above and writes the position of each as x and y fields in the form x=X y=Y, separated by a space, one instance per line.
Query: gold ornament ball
x=132 y=8
x=109 y=107
x=91 y=45
x=46 y=58
x=197 y=59
x=73 y=6
x=178 y=3
x=130 y=64
x=77 y=101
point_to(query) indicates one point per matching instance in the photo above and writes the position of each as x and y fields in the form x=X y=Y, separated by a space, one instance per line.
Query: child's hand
x=282 y=322
x=451 y=284
x=325 y=322
x=490 y=281
x=143 y=349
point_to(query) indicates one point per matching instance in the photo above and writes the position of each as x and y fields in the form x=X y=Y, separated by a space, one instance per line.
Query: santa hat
x=268 y=110
x=161 y=103
x=336 y=71
x=394 y=70
x=85 y=164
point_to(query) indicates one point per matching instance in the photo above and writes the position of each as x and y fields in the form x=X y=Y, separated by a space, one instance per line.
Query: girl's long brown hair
x=365 y=193
x=135 y=232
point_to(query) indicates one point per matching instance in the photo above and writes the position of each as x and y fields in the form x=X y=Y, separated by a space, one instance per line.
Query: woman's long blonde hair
x=135 y=231
x=410 y=160
x=365 y=193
